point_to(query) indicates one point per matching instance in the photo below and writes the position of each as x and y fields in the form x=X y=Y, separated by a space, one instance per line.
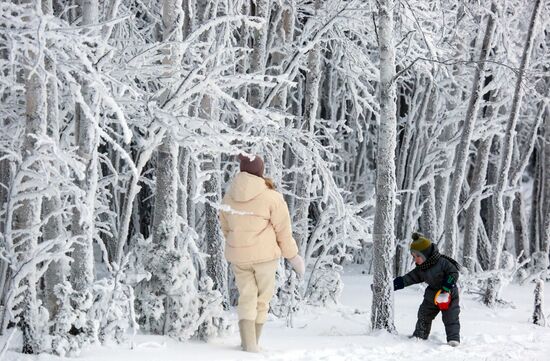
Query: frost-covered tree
x=497 y=234
x=383 y=228
x=538 y=314
x=461 y=153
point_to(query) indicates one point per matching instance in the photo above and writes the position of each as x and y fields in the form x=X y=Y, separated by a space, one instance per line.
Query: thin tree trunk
x=497 y=234
x=259 y=52
x=519 y=219
x=165 y=209
x=26 y=217
x=544 y=201
x=303 y=182
x=82 y=267
x=57 y=271
x=428 y=220
x=472 y=212
x=536 y=199
x=166 y=196
x=216 y=265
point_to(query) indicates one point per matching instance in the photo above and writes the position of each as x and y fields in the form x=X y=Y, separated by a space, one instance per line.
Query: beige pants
x=256 y=284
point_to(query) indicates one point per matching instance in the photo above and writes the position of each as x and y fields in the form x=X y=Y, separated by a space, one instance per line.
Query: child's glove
x=398 y=283
x=448 y=283
x=297 y=263
x=442 y=300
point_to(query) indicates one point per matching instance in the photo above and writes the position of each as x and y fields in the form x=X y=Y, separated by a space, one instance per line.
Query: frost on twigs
x=288 y=298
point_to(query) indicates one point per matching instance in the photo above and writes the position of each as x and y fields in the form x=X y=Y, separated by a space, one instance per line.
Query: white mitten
x=297 y=262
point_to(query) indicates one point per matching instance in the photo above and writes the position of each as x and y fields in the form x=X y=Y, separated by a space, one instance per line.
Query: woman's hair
x=269 y=183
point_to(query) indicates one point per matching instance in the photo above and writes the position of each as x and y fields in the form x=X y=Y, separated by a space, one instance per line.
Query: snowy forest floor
x=341 y=333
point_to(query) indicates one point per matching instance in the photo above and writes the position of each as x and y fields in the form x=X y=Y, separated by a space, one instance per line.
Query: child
x=440 y=273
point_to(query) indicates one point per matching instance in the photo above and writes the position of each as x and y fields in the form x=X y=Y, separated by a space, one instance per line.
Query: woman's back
x=256 y=224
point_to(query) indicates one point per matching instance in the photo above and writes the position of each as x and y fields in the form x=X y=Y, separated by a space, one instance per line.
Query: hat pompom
x=421 y=243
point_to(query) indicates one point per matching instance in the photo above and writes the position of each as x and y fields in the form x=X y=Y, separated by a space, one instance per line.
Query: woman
x=257 y=230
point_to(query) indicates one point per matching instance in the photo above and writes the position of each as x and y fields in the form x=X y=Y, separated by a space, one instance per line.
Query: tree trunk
x=472 y=212
x=428 y=219
x=82 y=267
x=497 y=234
x=461 y=157
x=57 y=271
x=216 y=265
x=544 y=200
x=538 y=314
x=165 y=209
x=303 y=182
x=519 y=220
x=259 y=52
x=26 y=216
x=383 y=236
x=166 y=197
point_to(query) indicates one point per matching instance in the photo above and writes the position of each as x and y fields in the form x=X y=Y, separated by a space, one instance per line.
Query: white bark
x=497 y=234
x=216 y=265
x=303 y=183
x=539 y=317
x=166 y=196
x=82 y=267
x=545 y=193
x=461 y=156
x=519 y=220
x=165 y=209
x=383 y=236
x=26 y=217
x=428 y=220
x=259 y=52
x=472 y=212
x=57 y=271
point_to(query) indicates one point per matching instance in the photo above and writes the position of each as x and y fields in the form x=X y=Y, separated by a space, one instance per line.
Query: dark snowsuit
x=442 y=274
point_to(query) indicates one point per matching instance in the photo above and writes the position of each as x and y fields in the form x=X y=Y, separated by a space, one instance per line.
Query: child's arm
x=450 y=278
x=410 y=278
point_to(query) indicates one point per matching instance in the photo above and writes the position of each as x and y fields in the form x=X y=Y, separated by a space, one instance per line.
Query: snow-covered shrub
x=177 y=298
x=288 y=297
x=477 y=283
x=72 y=328
x=325 y=285
x=113 y=302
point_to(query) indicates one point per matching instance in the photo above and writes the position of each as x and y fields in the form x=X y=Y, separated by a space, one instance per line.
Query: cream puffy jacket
x=255 y=222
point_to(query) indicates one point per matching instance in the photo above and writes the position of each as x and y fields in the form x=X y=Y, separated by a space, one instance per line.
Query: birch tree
x=383 y=235
x=26 y=212
x=87 y=139
x=51 y=206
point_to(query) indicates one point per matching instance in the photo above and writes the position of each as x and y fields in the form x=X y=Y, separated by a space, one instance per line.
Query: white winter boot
x=247 y=330
x=453 y=343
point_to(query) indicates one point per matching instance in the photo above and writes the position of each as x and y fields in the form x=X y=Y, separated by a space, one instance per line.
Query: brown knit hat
x=255 y=167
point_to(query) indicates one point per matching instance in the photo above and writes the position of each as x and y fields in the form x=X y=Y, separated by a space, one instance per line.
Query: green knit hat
x=421 y=244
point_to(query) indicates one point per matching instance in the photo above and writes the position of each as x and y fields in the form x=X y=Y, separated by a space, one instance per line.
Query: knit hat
x=255 y=166
x=421 y=245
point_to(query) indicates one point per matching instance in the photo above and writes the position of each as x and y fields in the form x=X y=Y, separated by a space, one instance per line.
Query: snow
x=342 y=333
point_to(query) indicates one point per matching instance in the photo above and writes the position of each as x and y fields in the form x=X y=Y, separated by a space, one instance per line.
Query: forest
x=121 y=122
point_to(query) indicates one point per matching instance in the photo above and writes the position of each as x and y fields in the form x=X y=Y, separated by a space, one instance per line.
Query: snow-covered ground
x=341 y=333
